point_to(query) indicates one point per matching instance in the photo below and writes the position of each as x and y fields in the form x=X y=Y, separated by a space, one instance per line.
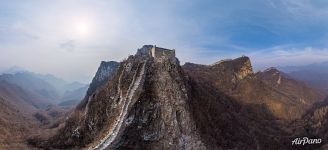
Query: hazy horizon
x=69 y=38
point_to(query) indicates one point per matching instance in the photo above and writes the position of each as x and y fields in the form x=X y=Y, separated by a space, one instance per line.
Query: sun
x=82 y=28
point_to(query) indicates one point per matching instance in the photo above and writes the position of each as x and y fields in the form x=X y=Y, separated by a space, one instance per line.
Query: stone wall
x=145 y=50
x=158 y=52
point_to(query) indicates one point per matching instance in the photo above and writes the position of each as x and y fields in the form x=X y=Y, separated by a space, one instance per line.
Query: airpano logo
x=306 y=140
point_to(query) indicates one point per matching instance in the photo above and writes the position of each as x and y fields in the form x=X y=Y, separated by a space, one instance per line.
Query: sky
x=69 y=38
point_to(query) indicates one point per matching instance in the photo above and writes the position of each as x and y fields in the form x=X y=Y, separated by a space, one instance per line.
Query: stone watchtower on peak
x=156 y=52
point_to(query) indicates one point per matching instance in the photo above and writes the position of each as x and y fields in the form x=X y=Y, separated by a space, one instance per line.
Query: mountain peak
x=103 y=63
x=13 y=70
x=104 y=72
x=241 y=66
x=272 y=70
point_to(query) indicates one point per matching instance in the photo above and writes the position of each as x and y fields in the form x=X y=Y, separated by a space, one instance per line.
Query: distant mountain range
x=25 y=98
x=48 y=88
x=314 y=74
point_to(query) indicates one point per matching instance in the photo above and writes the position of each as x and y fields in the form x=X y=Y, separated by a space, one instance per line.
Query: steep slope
x=105 y=72
x=21 y=98
x=236 y=79
x=21 y=116
x=224 y=121
x=16 y=120
x=14 y=125
x=314 y=125
x=315 y=122
x=291 y=87
x=224 y=74
x=227 y=123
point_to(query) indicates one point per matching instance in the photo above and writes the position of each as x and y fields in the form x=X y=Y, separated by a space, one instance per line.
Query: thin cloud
x=68 y=45
x=283 y=56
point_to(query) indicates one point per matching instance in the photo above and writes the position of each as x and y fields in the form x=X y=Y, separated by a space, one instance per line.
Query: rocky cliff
x=105 y=72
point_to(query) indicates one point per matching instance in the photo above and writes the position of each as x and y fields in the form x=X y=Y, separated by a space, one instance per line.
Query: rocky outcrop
x=105 y=72
x=241 y=67
x=224 y=74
